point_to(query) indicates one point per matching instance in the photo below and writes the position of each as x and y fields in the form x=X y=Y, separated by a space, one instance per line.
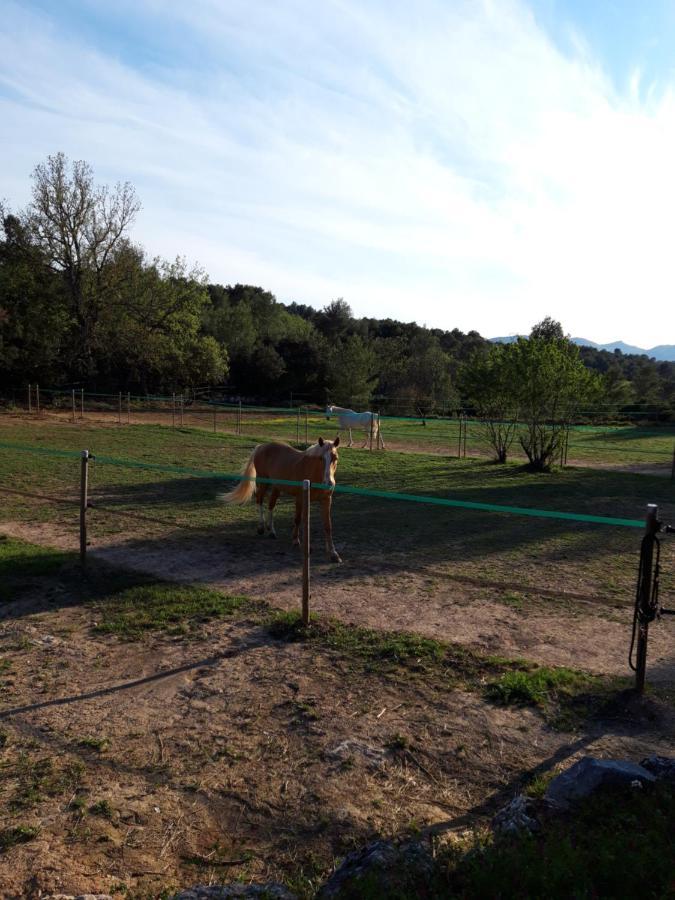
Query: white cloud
x=431 y=161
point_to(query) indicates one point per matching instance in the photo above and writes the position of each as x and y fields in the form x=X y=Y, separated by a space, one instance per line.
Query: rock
x=272 y=890
x=519 y=815
x=588 y=774
x=350 y=748
x=381 y=869
x=661 y=767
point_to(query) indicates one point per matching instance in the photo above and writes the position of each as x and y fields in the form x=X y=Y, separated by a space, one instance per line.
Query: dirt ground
x=172 y=762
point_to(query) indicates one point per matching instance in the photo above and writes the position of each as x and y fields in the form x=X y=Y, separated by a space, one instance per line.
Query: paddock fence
x=643 y=448
x=133 y=505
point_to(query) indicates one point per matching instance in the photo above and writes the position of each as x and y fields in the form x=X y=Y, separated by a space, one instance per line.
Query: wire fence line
x=451 y=435
x=337 y=489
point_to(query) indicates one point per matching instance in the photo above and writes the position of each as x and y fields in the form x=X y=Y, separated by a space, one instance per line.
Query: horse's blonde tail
x=246 y=487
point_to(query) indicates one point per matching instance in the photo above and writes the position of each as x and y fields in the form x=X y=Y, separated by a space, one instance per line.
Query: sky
x=472 y=164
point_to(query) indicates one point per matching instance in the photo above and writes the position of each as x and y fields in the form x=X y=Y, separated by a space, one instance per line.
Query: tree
x=79 y=227
x=350 y=376
x=548 y=330
x=489 y=383
x=550 y=382
x=34 y=322
x=152 y=328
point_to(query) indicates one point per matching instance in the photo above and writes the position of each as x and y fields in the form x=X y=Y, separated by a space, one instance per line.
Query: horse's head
x=329 y=455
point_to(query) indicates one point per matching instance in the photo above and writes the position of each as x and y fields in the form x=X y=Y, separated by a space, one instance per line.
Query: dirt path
x=559 y=628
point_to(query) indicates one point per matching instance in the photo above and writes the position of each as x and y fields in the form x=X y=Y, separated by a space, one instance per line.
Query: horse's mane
x=314 y=450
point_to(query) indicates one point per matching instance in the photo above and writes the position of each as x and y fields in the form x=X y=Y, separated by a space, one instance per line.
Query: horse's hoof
x=335 y=557
x=296 y=543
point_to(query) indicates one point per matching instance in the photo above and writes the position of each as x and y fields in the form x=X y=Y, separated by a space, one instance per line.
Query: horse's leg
x=274 y=496
x=297 y=521
x=328 y=530
x=260 y=492
x=350 y=437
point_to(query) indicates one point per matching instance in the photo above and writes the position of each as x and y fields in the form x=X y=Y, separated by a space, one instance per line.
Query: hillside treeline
x=82 y=305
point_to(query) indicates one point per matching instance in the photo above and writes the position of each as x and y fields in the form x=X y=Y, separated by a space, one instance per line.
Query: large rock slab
x=661 y=767
x=588 y=774
x=382 y=869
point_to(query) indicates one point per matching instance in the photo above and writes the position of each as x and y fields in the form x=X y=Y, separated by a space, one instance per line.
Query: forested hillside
x=82 y=305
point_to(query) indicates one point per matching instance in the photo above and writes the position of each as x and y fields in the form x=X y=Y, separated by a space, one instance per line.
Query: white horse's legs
x=350 y=438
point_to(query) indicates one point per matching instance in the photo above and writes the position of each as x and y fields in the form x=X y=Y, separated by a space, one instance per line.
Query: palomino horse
x=348 y=419
x=279 y=461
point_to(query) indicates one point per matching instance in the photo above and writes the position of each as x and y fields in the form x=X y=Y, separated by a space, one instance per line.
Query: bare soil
x=172 y=762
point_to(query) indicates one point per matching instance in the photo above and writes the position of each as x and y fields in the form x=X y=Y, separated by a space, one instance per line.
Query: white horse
x=348 y=419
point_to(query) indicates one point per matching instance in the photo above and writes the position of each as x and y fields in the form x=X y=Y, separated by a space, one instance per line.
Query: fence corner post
x=644 y=595
x=84 y=500
x=306 y=487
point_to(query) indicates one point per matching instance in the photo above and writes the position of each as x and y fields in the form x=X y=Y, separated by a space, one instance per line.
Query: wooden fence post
x=82 y=403
x=73 y=401
x=297 y=430
x=466 y=431
x=84 y=488
x=459 y=439
x=644 y=594
x=37 y=399
x=306 y=428
x=306 y=487
x=30 y=405
x=128 y=407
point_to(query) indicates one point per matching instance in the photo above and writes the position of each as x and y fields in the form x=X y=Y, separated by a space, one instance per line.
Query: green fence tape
x=342 y=489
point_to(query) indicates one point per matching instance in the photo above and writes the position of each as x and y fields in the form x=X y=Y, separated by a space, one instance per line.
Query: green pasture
x=379 y=539
x=588 y=445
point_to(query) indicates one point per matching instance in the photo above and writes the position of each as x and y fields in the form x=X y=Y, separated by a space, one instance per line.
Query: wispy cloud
x=443 y=162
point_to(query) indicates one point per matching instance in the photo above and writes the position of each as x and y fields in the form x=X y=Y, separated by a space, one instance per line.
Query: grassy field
x=589 y=445
x=544 y=552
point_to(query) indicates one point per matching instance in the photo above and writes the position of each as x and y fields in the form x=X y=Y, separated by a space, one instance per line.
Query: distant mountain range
x=662 y=352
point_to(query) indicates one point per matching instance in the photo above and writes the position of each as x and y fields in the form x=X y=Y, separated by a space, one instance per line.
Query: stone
x=351 y=748
x=518 y=815
x=661 y=767
x=588 y=774
x=385 y=867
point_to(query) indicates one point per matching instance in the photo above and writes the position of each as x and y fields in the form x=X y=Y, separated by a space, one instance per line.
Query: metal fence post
x=84 y=487
x=37 y=398
x=306 y=486
x=297 y=431
x=644 y=591
x=306 y=428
